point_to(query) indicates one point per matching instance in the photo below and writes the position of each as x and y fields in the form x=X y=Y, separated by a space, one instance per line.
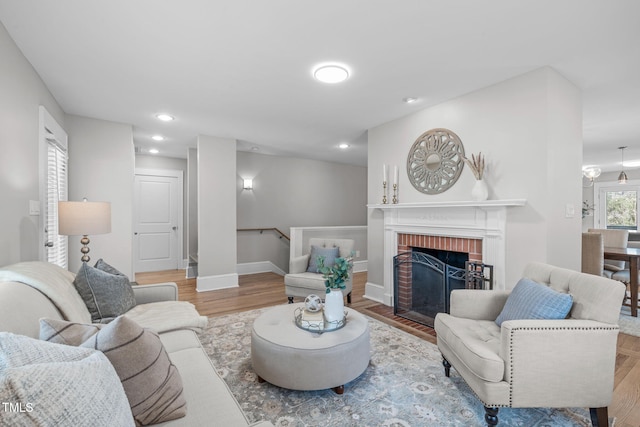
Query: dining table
x=631 y=255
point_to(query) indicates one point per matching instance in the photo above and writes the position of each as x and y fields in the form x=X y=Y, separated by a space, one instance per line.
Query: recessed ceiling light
x=344 y=145
x=409 y=100
x=157 y=137
x=164 y=117
x=154 y=151
x=331 y=73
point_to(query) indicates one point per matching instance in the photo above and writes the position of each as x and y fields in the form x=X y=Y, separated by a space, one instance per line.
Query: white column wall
x=217 y=247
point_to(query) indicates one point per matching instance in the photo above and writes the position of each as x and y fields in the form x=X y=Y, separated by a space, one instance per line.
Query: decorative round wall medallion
x=435 y=161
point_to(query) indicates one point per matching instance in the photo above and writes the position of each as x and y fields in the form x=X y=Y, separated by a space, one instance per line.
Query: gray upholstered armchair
x=536 y=363
x=300 y=282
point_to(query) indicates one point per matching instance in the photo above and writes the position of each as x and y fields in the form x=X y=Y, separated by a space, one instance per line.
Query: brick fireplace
x=420 y=291
x=475 y=228
x=473 y=247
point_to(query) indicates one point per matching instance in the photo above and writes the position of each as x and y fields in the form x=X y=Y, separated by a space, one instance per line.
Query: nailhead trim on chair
x=544 y=328
x=539 y=328
x=478 y=397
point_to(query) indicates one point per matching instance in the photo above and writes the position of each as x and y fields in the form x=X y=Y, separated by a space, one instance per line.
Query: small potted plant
x=337 y=274
x=335 y=277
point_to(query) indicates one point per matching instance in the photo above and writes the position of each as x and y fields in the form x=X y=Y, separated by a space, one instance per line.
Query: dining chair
x=593 y=254
x=612 y=239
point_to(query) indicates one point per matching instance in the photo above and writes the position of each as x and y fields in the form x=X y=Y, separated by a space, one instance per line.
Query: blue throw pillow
x=531 y=300
x=329 y=254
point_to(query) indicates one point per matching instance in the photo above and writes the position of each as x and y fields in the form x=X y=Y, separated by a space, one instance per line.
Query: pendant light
x=622 y=178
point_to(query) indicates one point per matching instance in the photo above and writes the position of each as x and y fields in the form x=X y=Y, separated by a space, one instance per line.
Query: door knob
x=174 y=228
x=48 y=244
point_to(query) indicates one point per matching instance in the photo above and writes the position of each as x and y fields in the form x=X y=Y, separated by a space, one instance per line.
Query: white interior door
x=157 y=240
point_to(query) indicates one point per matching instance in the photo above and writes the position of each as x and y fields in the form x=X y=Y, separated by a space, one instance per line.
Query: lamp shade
x=84 y=218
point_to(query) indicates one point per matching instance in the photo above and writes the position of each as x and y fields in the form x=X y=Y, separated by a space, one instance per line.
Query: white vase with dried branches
x=480 y=191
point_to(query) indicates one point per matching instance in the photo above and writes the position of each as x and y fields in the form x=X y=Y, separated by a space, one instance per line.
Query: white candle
x=395 y=175
x=384 y=173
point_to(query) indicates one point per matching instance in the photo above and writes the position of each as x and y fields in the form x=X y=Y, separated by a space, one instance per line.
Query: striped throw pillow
x=151 y=382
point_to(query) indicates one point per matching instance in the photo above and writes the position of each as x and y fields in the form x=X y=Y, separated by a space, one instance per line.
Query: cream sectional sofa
x=209 y=400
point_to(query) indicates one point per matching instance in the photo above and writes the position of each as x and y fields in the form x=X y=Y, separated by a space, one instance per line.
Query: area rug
x=628 y=324
x=403 y=386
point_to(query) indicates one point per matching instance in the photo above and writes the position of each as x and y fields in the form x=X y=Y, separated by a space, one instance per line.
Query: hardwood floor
x=267 y=289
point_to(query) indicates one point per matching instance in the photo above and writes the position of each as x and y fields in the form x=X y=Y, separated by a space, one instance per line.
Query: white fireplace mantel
x=484 y=220
x=451 y=204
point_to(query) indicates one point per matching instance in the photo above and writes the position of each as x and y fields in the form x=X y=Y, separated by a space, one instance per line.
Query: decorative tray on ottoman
x=315 y=321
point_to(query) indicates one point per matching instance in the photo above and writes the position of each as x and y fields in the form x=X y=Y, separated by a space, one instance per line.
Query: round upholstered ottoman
x=290 y=357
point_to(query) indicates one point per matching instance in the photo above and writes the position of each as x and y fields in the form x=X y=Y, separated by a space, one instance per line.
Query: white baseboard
x=375 y=293
x=259 y=267
x=360 y=266
x=213 y=283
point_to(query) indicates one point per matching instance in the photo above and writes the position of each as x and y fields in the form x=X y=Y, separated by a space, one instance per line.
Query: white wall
x=101 y=168
x=292 y=192
x=192 y=203
x=530 y=130
x=21 y=93
x=170 y=163
x=217 y=256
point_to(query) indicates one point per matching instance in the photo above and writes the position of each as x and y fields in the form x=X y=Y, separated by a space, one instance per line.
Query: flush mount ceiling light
x=164 y=117
x=409 y=100
x=154 y=151
x=622 y=178
x=157 y=137
x=344 y=145
x=331 y=73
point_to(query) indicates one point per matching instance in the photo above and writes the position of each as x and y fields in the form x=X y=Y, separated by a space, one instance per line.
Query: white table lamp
x=82 y=219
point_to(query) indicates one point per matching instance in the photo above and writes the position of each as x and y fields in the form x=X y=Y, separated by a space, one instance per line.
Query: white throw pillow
x=43 y=383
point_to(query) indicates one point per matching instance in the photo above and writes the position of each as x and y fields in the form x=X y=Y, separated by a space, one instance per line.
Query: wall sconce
x=84 y=218
x=247 y=183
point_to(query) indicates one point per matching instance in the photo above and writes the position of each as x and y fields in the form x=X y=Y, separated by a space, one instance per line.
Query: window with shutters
x=54 y=189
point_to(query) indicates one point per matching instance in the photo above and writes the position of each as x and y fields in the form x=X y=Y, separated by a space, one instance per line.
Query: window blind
x=57 y=188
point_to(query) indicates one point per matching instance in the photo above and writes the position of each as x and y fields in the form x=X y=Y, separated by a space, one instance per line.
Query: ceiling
x=243 y=69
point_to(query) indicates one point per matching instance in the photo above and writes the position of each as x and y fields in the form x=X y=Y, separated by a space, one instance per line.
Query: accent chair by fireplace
x=528 y=363
x=302 y=280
